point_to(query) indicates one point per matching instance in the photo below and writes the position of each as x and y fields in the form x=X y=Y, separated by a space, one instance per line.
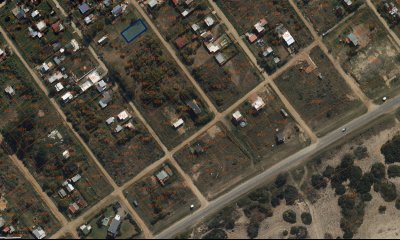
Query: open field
x=20 y=206
x=324 y=15
x=372 y=58
x=215 y=161
x=100 y=223
x=224 y=82
x=33 y=131
x=149 y=77
x=279 y=16
x=161 y=198
x=123 y=145
x=319 y=93
x=259 y=136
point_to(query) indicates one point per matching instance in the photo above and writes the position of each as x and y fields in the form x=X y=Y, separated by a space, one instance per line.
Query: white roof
x=110 y=120
x=288 y=38
x=67 y=96
x=237 y=115
x=70 y=188
x=59 y=87
x=117 y=217
x=123 y=115
x=39 y=233
x=94 y=77
x=76 y=178
x=86 y=85
x=178 y=123
x=35 y=13
x=75 y=44
x=152 y=3
x=66 y=154
x=212 y=47
x=195 y=27
x=1 y=52
x=258 y=103
x=41 y=25
x=209 y=21
x=102 y=39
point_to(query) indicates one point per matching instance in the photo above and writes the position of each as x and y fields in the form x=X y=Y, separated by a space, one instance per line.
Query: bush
x=216 y=234
x=382 y=209
x=280 y=180
x=366 y=197
x=340 y=189
x=329 y=171
x=393 y=171
x=299 y=232
x=397 y=204
x=252 y=230
x=388 y=191
x=289 y=216
x=365 y=183
x=378 y=171
x=260 y=195
x=291 y=195
x=391 y=149
x=306 y=218
x=361 y=152
x=318 y=181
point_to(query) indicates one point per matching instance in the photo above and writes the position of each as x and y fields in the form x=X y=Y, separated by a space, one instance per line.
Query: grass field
x=321 y=96
x=161 y=205
x=374 y=62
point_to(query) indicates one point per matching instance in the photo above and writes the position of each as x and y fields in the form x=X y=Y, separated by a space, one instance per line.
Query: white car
x=344 y=129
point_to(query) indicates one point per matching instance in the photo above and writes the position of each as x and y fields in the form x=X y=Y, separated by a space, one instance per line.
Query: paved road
x=284 y=165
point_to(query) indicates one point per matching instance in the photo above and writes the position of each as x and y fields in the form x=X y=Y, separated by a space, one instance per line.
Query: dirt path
x=232 y=31
x=383 y=21
x=349 y=80
x=174 y=56
x=45 y=198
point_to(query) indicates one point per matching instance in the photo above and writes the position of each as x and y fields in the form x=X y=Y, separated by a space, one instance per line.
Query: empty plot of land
x=319 y=93
x=367 y=53
x=214 y=161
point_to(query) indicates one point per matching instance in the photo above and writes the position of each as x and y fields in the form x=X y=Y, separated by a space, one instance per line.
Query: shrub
x=252 y=230
x=378 y=171
x=280 y=180
x=382 y=209
x=329 y=171
x=318 y=182
x=393 y=171
x=299 y=232
x=289 y=216
x=306 y=218
x=366 y=197
x=388 y=191
x=291 y=195
x=361 y=152
x=391 y=149
x=216 y=233
x=397 y=204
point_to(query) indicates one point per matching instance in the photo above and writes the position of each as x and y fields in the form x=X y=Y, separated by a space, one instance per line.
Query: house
x=181 y=42
x=352 y=39
x=124 y=115
x=195 y=108
x=107 y=98
x=347 y=3
x=114 y=226
x=268 y=51
x=76 y=178
x=2 y=53
x=67 y=97
x=280 y=138
x=81 y=203
x=284 y=113
x=10 y=91
x=212 y=48
x=176 y=2
x=260 y=26
x=195 y=27
x=84 y=8
x=118 y=129
x=59 y=59
x=85 y=86
x=103 y=40
x=73 y=208
x=101 y=86
x=258 y=104
x=209 y=21
x=41 y=26
x=251 y=37
x=57 y=27
x=70 y=188
x=59 y=87
x=55 y=77
x=35 y=14
x=238 y=119
x=94 y=76
x=39 y=233
x=152 y=3
x=117 y=11
x=89 y=19
x=75 y=45
x=178 y=123
x=19 y=13
x=66 y=154
x=288 y=39
x=107 y=3
x=85 y=229
x=187 y=12
x=162 y=177
x=221 y=59
x=110 y=121
x=45 y=67
x=62 y=193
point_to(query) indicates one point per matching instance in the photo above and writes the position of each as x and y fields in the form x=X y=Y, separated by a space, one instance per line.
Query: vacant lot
x=150 y=78
x=100 y=223
x=124 y=146
x=373 y=63
x=319 y=93
x=161 y=203
x=214 y=161
x=36 y=134
x=324 y=15
x=279 y=16
x=263 y=126
x=20 y=206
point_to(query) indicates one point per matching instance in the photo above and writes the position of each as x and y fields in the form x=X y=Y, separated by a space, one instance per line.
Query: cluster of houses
x=87 y=10
x=257 y=104
x=8 y=230
x=392 y=12
x=67 y=189
x=185 y=7
x=194 y=110
x=120 y=122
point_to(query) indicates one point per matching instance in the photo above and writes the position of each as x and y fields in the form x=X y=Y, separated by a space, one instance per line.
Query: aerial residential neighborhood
x=199 y=119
